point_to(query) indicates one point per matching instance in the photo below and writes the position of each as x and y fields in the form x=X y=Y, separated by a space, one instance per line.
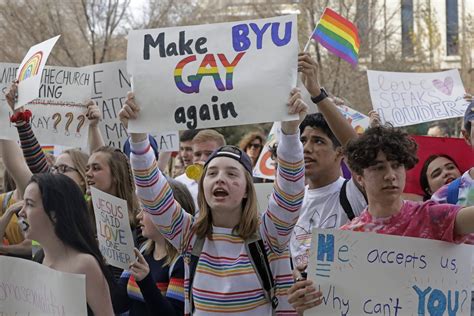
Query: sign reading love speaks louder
x=411 y=98
x=213 y=75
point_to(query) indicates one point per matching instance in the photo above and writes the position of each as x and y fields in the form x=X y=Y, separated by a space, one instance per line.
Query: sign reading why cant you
x=29 y=288
x=213 y=75
x=113 y=229
x=375 y=274
x=412 y=98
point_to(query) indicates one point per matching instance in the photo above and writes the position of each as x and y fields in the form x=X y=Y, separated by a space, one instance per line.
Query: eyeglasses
x=255 y=146
x=62 y=169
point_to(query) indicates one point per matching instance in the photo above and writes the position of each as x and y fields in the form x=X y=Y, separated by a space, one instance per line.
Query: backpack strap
x=192 y=260
x=258 y=257
x=453 y=191
x=344 y=201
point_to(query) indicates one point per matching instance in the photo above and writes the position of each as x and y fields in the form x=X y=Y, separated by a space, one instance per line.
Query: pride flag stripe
x=338 y=35
x=331 y=15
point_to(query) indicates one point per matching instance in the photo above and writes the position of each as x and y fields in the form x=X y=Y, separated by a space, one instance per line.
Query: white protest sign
x=412 y=98
x=59 y=111
x=30 y=70
x=263 y=191
x=110 y=84
x=358 y=121
x=213 y=75
x=167 y=141
x=29 y=288
x=113 y=229
x=376 y=274
x=265 y=166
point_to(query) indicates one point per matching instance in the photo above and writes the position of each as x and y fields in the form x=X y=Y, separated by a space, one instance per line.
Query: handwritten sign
x=110 y=84
x=58 y=112
x=113 y=229
x=30 y=70
x=213 y=75
x=265 y=166
x=411 y=98
x=358 y=121
x=167 y=141
x=375 y=274
x=29 y=288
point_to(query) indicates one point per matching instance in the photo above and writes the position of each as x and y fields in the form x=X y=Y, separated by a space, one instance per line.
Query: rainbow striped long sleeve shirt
x=225 y=282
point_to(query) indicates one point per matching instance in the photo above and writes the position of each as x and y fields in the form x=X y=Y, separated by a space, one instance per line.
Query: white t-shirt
x=192 y=186
x=322 y=209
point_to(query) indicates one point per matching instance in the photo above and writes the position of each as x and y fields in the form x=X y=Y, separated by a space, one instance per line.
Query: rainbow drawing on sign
x=31 y=67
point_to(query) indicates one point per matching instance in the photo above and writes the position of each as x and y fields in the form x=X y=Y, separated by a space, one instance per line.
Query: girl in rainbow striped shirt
x=225 y=281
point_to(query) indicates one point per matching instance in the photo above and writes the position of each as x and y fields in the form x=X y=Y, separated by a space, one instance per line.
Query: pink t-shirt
x=416 y=219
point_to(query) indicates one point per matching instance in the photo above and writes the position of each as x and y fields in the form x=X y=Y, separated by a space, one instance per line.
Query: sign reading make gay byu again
x=213 y=75
x=29 y=288
x=113 y=229
x=412 y=98
x=59 y=112
x=375 y=274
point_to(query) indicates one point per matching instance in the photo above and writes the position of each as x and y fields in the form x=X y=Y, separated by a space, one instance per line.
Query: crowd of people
x=202 y=245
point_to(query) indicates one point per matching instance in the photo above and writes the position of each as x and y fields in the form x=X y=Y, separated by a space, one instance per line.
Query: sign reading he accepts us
x=213 y=75
x=375 y=274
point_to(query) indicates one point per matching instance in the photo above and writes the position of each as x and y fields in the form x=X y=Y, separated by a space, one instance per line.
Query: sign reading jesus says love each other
x=375 y=274
x=113 y=229
x=213 y=75
x=411 y=98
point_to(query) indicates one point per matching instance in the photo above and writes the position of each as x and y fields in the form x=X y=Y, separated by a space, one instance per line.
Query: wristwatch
x=323 y=95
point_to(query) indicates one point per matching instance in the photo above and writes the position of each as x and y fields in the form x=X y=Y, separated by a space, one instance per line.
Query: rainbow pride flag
x=48 y=149
x=338 y=35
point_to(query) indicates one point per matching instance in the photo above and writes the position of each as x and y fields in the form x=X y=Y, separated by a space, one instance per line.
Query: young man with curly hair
x=379 y=160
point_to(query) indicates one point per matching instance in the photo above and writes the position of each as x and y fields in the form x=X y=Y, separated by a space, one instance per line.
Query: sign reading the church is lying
x=213 y=75
x=412 y=98
x=113 y=229
x=375 y=274
x=29 y=288
x=59 y=112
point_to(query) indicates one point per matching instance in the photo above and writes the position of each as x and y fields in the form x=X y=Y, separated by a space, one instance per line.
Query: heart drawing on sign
x=446 y=87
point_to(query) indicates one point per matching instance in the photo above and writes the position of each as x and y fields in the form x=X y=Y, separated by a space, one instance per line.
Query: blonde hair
x=207 y=135
x=249 y=219
x=79 y=159
x=184 y=198
x=122 y=178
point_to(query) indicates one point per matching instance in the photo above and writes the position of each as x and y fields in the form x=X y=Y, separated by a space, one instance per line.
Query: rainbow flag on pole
x=338 y=35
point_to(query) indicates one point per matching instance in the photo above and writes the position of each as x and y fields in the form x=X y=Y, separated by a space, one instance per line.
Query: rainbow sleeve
x=157 y=197
x=287 y=197
x=34 y=155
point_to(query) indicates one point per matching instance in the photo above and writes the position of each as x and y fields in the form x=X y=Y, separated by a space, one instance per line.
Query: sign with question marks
x=59 y=114
x=375 y=274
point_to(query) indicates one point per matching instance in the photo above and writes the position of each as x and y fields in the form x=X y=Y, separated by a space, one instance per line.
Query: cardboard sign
x=213 y=75
x=113 y=229
x=30 y=70
x=29 y=288
x=376 y=274
x=167 y=141
x=110 y=84
x=411 y=98
x=58 y=112
x=265 y=166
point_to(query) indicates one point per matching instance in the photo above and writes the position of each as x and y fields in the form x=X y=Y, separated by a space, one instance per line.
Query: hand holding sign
x=93 y=113
x=296 y=105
